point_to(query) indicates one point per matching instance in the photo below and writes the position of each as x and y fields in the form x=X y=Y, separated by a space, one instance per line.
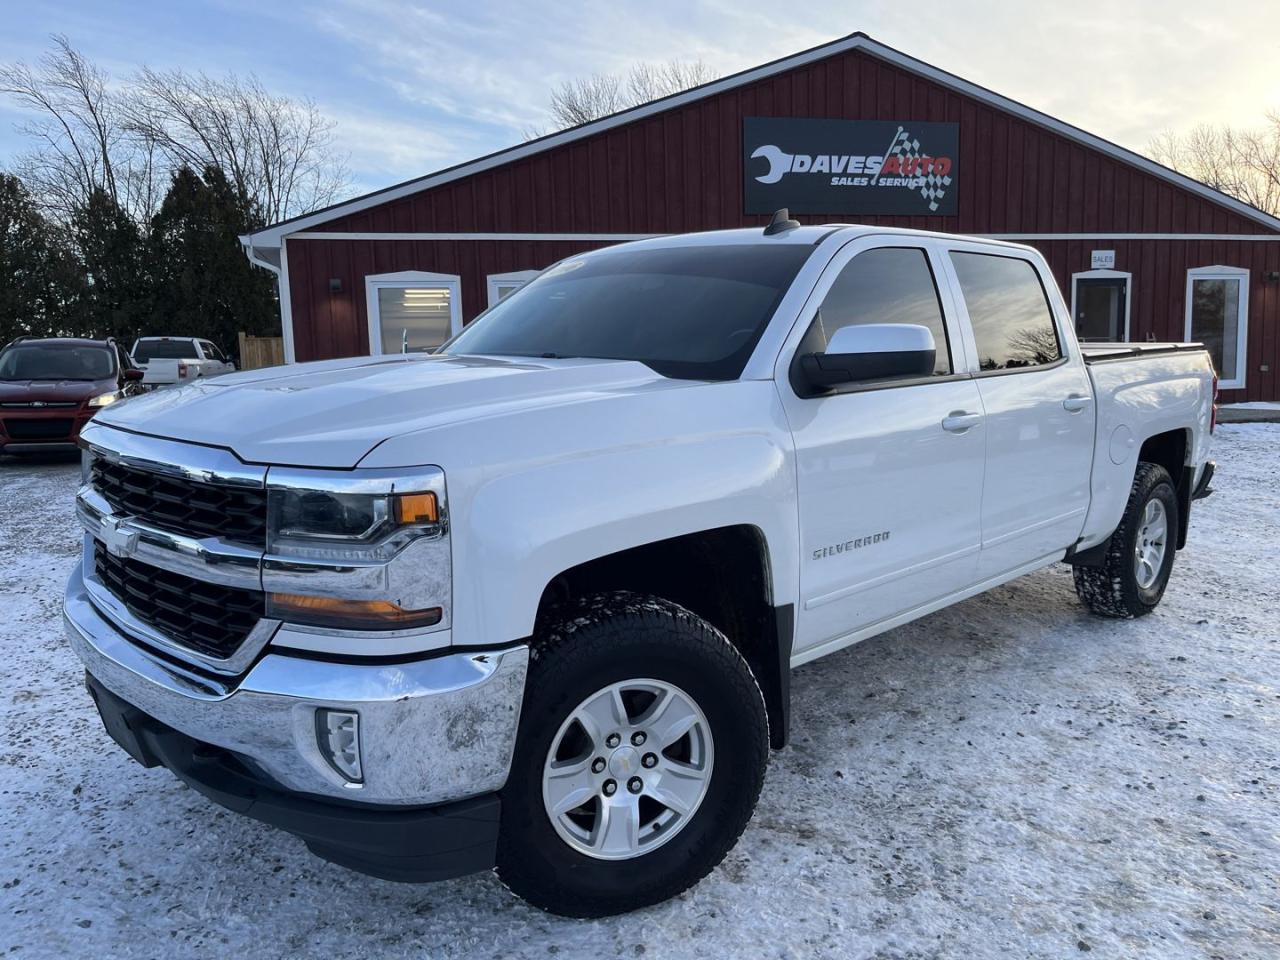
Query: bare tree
x=79 y=126
x=1242 y=162
x=580 y=101
x=275 y=150
x=127 y=139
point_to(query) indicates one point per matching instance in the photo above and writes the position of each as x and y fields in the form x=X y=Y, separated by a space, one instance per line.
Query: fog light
x=338 y=736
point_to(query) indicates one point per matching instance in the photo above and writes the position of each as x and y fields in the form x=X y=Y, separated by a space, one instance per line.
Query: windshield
x=145 y=351
x=56 y=361
x=687 y=312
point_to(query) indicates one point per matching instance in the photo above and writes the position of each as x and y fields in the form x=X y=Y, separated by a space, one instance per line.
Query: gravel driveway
x=1007 y=778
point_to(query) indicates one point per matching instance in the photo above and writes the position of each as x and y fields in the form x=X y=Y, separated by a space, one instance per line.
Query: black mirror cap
x=827 y=371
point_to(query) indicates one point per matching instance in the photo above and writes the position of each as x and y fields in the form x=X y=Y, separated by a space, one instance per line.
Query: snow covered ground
x=1008 y=778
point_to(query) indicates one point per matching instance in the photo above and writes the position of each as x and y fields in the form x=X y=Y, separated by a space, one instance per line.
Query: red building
x=851 y=131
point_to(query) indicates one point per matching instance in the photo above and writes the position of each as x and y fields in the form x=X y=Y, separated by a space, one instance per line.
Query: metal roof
x=270 y=237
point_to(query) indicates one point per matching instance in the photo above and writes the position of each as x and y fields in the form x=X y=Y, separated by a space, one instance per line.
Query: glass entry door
x=1100 y=308
x=412 y=312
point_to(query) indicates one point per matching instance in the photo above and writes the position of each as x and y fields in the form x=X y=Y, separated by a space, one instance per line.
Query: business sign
x=1102 y=260
x=903 y=167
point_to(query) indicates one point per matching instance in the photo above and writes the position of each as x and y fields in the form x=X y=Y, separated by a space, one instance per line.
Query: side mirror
x=871 y=351
x=133 y=375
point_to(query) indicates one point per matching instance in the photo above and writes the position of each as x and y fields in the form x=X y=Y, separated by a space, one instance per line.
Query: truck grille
x=208 y=618
x=184 y=506
x=39 y=429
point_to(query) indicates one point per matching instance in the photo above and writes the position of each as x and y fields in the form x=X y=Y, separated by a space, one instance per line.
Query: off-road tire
x=578 y=650
x=1112 y=589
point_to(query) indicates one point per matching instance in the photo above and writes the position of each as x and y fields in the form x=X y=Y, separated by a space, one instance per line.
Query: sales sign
x=905 y=167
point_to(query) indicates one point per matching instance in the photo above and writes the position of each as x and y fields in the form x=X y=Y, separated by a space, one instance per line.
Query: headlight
x=102 y=399
x=328 y=525
x=357 y=550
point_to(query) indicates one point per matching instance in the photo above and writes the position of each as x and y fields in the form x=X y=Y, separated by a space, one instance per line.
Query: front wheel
x=1135 y=571
x=641 y=753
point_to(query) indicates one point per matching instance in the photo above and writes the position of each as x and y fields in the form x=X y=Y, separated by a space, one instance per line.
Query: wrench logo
x=779 y=162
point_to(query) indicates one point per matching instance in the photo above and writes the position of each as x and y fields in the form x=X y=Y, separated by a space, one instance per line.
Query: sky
x=413 y=87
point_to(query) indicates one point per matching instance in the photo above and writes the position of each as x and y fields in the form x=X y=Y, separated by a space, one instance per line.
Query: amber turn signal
x=416 y=508
x=356 y=614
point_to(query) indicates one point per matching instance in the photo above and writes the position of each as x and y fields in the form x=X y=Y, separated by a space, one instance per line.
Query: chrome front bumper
x=431 y=730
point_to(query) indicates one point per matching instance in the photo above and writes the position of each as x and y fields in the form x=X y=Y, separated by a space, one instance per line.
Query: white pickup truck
x=165 y=361
x=533 y=601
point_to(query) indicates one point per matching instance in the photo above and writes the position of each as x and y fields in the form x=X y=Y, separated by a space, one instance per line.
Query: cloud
x=416 y=87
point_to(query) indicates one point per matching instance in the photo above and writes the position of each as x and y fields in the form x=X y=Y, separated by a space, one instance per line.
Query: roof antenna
x=780 y=223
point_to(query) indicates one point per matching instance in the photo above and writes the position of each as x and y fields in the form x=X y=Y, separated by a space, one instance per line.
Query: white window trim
x=518 y=277
x=1242 y=327
x=1104 y=275
x=409 y=278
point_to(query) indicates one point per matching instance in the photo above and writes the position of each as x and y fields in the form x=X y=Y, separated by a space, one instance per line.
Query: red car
x=49 y=389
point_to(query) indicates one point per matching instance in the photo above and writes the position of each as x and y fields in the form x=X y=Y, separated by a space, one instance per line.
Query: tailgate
x=158 y=371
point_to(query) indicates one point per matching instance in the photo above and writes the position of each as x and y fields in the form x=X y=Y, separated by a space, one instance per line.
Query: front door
x=1100 y=304
x=889 y=473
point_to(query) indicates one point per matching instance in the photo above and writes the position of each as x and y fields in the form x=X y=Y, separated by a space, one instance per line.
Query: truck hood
x=331 y=414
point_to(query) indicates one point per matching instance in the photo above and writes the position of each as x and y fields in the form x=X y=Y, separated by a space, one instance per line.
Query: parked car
x=534 y=601
x=49 y=389
x=167 y=361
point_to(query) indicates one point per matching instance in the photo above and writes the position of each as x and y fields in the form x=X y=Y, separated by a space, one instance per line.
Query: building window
x=1218 y=317
x=1100 y=305
x=412 y=311
x=502 y=285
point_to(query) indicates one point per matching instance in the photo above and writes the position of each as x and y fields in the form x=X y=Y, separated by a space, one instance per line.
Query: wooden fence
x=256 y=352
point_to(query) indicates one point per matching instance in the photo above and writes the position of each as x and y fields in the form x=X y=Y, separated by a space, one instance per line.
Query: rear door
x=1038 y=404
x=889 y=473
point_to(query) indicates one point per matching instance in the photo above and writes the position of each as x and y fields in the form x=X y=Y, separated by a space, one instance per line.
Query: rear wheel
x=1132 y=577
x=641 y=754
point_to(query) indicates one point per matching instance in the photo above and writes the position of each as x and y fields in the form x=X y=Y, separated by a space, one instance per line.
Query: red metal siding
x=1157 y=293
x=682 y=170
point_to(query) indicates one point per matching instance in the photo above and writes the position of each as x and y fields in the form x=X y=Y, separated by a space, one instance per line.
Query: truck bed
x=1098 y=352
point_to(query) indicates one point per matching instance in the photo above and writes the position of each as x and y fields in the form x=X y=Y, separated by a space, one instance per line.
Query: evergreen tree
x=118 y=274
x=40 y=284
x=204 y=284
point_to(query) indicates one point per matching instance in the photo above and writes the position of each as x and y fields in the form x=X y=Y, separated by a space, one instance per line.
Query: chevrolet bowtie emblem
x=118 y=541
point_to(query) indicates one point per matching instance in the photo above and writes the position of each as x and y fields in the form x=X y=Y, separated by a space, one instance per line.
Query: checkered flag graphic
x=934 y=187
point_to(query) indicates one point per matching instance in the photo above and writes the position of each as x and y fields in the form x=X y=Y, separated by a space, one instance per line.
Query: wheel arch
x=1169 y=450
x=722 y=575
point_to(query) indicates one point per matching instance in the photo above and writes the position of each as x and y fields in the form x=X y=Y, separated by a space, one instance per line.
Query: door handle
x=1076 y=402
x=959 y=421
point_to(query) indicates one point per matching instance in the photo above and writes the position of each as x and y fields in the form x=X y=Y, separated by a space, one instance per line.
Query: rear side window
x=887 y=285
x=1012 y=322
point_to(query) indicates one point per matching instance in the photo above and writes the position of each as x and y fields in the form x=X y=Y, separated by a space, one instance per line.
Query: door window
x=1009 y=311
x=1101 y=306
x=1217 y=316
x=886 y=285
x=412 y=312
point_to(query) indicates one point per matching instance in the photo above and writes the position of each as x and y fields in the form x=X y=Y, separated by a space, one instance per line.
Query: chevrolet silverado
x=532 y=602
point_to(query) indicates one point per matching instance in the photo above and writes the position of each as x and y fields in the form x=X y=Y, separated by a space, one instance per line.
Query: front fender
x=533 y=495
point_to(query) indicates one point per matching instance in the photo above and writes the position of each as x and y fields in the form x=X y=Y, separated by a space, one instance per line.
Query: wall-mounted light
x=1271 y=276
x=335 y=284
